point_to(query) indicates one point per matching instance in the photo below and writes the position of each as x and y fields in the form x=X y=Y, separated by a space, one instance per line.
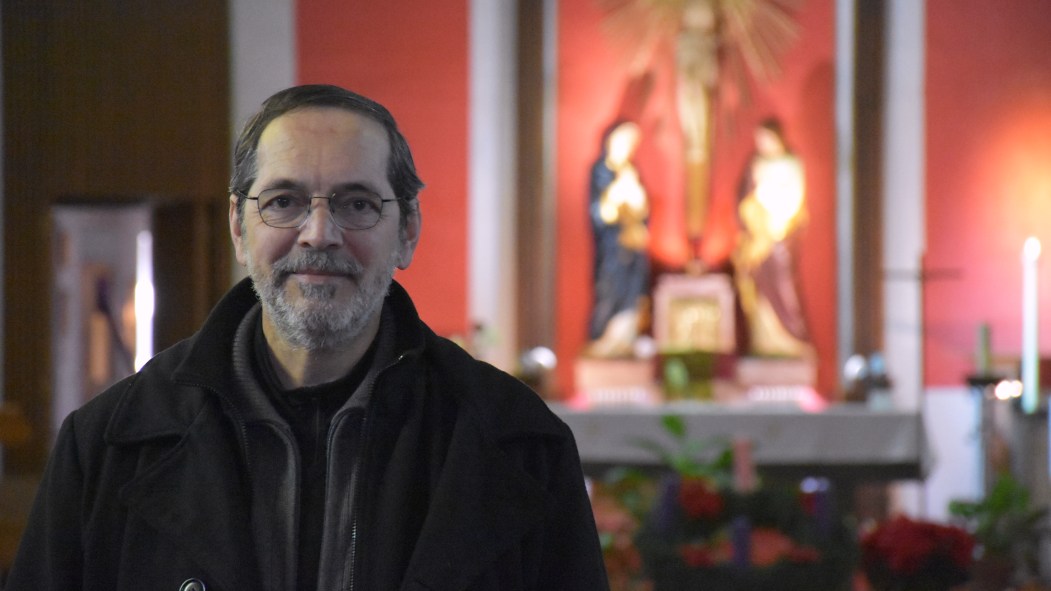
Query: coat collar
x=210 y=355
x=149 y=409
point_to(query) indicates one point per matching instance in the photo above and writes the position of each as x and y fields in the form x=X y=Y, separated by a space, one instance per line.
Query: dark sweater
x=308 y=411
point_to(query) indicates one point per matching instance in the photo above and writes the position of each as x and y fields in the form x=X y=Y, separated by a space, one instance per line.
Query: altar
x=846 y=442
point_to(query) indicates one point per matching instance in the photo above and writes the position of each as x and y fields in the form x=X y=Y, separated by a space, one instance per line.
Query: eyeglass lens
x=288 y=208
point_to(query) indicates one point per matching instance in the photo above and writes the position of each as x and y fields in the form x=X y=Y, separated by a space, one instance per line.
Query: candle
x=741 y=541
x=743 y=466
x=1030 y=326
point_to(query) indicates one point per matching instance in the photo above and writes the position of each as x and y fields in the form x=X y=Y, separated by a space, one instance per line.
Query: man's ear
x=236 y=230
x=410 y=236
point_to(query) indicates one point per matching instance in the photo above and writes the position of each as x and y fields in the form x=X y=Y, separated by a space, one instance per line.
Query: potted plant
x=1007 y=529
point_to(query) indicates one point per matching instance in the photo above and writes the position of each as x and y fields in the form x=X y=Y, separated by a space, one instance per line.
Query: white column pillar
x=262 y=61
x=845 y=150
x=491 y=177
x=904 y=199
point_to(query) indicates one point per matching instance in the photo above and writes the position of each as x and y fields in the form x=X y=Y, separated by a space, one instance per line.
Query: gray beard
x=317 y=322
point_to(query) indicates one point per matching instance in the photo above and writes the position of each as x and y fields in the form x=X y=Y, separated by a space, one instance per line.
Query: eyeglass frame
x=310 y=209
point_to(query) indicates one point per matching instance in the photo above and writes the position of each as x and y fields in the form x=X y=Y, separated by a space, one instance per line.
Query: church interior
x=806 y=232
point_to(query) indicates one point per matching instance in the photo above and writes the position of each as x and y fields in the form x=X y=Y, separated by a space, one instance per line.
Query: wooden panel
x=104 y=99
x=868 y=171
x=535 y=249
x=184 y=232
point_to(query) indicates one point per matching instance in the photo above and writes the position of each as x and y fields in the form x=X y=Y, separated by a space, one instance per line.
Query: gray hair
x=401 y=171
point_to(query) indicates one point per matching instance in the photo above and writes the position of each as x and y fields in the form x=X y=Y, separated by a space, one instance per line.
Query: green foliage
x=1005 y=523
x=687 y=374
x=632 y=489
x=712 y=459
x=674 y=425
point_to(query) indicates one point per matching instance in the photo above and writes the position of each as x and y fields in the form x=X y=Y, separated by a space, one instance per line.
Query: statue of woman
x=771 y=210
x=619 y=212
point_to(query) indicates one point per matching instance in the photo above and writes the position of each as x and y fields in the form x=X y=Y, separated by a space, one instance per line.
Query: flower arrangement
x=709 y=524
x=903 y=554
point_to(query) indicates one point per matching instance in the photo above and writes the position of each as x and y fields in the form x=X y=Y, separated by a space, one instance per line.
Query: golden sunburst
x=750 y=36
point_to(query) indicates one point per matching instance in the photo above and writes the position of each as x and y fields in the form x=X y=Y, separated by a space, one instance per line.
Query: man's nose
x=319 y=230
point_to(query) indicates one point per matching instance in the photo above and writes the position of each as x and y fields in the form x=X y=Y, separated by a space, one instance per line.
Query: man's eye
x=357 y=204
x=282 y=201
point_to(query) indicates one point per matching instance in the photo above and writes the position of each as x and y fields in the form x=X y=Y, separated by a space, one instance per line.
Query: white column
x=904 y=199
x=950 y=414
x=262 y=61
x=491 y=178
x=845 y=151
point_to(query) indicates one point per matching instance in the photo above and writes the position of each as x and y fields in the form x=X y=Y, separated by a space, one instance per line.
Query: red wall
x=988 y=175
x=591 y=82
x=412 y=57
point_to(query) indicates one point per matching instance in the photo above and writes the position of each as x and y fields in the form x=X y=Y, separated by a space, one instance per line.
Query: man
x=315 y=434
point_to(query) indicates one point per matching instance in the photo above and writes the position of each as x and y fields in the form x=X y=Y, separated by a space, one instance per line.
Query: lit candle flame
x=1031 y=249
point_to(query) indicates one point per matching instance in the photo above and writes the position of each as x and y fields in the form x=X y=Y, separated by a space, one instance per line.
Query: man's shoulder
x=505 y=405
x=141 y=405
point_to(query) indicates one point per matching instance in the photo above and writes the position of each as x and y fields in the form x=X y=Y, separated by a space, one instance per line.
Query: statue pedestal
x=777 y=380
x=695 y=332
x=616 y=381
x=637 y=381
x=764 y=371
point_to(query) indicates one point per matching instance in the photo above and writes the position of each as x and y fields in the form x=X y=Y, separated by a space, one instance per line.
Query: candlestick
x=1030 y=326
x=983 y=364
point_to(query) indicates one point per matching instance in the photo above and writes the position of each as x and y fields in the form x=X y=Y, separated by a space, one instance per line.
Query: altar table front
x=844 y=441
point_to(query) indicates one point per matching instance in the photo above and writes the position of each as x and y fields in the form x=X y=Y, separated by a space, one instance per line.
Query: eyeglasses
x=290 y=208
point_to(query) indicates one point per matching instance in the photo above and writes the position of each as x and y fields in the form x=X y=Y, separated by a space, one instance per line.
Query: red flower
x=699 y=499
x=769 y=546
x=696 y=555
x=906 y=548
x=804 y=554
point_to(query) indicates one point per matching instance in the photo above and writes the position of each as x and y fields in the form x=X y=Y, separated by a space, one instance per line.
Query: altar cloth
x=844 y=440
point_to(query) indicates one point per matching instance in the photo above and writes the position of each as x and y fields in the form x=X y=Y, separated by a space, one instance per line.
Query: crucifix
x=716 y=45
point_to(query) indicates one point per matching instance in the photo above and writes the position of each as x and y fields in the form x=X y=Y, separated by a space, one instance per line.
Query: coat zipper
x=358 y=477
x=354 y=508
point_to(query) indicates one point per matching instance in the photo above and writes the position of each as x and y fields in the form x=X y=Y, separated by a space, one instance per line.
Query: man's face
x=321 y=286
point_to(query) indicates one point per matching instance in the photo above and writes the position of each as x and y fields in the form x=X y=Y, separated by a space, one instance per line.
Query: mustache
x=314 y=260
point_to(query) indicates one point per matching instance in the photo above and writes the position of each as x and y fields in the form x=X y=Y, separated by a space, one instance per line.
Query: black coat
x=469 y=481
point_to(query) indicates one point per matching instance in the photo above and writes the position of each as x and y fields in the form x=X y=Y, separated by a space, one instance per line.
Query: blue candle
x=741 y=539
